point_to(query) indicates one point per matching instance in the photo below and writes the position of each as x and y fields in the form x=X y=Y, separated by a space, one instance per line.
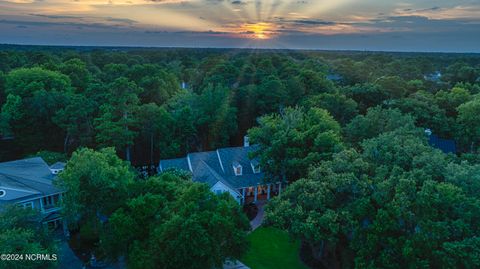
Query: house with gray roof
x=29 y=183
x=227 y=170
x=57 y=167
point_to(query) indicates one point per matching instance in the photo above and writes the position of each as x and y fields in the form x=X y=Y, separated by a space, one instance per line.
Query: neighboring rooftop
x=25 y=179
x=445 y=145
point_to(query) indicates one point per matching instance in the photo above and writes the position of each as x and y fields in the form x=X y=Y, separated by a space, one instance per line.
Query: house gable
x=221 y=187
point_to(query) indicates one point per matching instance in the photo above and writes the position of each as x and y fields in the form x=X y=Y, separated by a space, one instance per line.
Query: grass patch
x=272 y=248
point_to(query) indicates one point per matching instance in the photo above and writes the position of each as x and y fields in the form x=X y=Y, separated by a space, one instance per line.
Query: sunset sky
x=308 y=24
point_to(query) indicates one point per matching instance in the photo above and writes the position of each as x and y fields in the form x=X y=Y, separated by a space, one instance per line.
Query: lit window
x=237 y=168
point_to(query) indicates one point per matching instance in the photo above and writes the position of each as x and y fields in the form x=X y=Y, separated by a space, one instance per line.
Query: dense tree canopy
x=376 y=121
x=396 y=204
x=469 y=122
x=171 y=222
x=290 y=142
x=95 y=182
x=60 y=100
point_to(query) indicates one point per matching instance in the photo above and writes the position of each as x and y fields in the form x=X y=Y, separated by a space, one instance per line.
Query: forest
x=151 y=104
x=349 y=131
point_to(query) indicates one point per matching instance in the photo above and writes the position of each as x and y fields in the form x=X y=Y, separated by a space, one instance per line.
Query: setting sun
x=259 y=30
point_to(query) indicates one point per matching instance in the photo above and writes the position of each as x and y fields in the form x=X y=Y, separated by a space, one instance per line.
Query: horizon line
x=234 y=48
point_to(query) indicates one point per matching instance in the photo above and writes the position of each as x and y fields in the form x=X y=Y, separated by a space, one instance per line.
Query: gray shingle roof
x=213 y=166
x=180 y=163
x=209 y=157
x=236 y=155
x=26 y=179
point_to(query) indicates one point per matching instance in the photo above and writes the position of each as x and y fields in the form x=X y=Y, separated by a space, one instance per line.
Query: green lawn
x=272 y=249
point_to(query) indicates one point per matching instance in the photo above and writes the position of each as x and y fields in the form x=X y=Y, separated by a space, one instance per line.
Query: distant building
x=57 y=167
x=434 y=77
x=334 y=77
x=227 y=170
x=29 y=183
x=445 y=145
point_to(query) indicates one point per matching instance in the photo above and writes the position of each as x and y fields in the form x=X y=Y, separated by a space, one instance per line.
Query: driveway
x=67 y=259
x=234 y=265
x=258 y=220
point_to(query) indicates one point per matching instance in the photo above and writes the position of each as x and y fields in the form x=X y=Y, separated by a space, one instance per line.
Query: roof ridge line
x=220 y=160
x=15 y=179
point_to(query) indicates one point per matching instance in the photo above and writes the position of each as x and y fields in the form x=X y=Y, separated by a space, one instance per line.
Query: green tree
x=96 y=182
x=270 y=95
x=183 y=112
x=216 y=118
x=461 y=72
x=469 y=123
x=175 y=223
x=78 y=73
x=207 y=120
x=325 y=208
x=77 y=118
x=24 y=82
x=376 y=121
x=394 y=86
x=366 y=95
x=397 y=204
x=423 y=107
x=314 y=82
x=289 y=143
x=157 y=127
x=2 y=88
x=158 y=85
x=342 y=108
x=22 y=233
x=115 y=124
x=451 y=99
x=34 y=96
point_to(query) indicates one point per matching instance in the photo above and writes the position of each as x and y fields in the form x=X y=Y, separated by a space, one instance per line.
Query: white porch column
x=255 y=196
x=243 y=195
x=268 y=192
x=41 y=204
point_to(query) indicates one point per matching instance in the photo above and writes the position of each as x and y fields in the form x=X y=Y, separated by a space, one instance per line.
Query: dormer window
x=3 y=193
x=237 y=169
x=255 y=167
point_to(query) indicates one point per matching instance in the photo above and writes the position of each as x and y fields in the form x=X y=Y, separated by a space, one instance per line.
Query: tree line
x=63 y=99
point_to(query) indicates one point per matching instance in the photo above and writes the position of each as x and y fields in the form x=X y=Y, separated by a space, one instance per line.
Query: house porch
x=257 y=193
